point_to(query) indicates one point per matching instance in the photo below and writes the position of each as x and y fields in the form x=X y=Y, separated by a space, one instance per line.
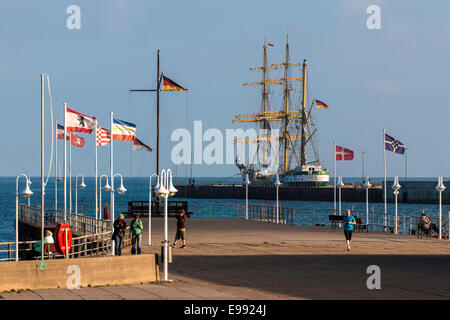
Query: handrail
x=83 y=246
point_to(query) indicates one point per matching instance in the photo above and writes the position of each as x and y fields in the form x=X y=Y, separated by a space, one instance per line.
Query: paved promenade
x=236 y=259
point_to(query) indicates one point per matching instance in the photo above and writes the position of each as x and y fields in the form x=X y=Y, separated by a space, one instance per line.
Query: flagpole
x=65 y=163
x=96 y=192
x=385 y=189
x=42 y=165
x=70 y=174
x=56 y=165
x=112 y=184
x=334 y=177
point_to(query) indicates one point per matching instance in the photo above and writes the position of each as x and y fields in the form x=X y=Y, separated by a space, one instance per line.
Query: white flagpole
x=112 y=184
x=56 y=165
x=334 y=177
x=65 y=163
x=96 y=191
x=70 y=174
x=385 y=189
x=42 y=165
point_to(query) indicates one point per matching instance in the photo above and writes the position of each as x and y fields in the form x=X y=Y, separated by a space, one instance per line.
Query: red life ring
x=106 y=212
x=60 y=238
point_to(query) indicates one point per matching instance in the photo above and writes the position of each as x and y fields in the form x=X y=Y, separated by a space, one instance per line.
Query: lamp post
x=246 y=183
x=165 y=190
x=106 y=188
x=439 y=188
x=340 y=185
x=121 y=190
x=277 y=184
x=367 y=185
x=82 y=186
x=396 y=186
x=26 y=193
x=150 y=207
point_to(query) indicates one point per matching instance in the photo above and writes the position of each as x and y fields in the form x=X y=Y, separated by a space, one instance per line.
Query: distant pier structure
x=423 y=192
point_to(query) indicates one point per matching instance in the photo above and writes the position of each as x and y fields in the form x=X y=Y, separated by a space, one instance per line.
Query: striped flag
x=170 y=85
x=74 y=139
x=103 y=136
x=139 y=145
x=270 y=45
x=321 y=105
x=122 y=130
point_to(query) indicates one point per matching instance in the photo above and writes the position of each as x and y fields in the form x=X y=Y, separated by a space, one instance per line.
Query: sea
x=137 y=189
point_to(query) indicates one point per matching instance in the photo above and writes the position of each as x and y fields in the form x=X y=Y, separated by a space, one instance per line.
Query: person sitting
x=426 y=224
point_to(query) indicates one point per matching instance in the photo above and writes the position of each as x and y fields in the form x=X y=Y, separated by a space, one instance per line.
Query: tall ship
x=286 y=142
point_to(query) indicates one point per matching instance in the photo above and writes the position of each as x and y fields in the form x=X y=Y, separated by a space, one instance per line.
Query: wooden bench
x=335 y=220
x=141 y=208
x=361 y=226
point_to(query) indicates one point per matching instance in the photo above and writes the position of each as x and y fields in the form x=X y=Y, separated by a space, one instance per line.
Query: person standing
x=181 y=228
x=349 y=222
x=136 y=227
x=120 y=226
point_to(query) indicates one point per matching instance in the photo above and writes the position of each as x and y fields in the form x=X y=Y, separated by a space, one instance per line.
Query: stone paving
x=229 y=259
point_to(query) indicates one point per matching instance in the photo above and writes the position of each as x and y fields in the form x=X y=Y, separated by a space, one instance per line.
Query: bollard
x=169 y=250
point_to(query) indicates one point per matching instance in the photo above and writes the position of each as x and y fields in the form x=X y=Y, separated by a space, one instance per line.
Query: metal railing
x=406 y=224
x=80 y=224
x=83 y=246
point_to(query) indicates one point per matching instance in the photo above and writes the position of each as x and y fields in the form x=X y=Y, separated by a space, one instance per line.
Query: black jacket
x=181 y=221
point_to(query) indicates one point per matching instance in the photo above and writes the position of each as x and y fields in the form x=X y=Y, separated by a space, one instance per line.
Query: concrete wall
x=112 y=270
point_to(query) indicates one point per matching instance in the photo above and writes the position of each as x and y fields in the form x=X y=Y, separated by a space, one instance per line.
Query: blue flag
x=392 y=144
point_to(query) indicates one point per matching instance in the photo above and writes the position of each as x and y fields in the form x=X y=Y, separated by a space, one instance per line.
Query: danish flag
x=103 y=136
x=343 y=153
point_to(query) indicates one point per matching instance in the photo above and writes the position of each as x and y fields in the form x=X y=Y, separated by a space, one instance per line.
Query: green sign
x=42 y=265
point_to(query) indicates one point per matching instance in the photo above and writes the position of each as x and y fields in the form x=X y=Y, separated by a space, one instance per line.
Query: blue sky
x=394 y=78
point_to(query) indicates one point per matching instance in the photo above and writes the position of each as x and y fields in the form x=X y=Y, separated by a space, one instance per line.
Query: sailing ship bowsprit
x=297 y=152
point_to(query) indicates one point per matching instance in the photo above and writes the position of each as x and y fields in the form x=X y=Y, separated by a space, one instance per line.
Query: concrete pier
x=237 y=259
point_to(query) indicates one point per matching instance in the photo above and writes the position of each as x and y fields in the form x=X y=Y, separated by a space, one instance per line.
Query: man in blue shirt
x=349 y=222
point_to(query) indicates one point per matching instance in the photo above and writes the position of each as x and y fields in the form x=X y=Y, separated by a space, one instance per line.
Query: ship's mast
x=266 y=116
x=304 y=120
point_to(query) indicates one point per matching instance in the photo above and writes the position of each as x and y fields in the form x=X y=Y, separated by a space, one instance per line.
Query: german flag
x=169 y=85
x=320 y=104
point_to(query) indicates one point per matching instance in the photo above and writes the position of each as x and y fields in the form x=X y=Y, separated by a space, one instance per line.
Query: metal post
x=42 y=166
x=440 y=214
x=277 y=206
x=396 y=216
x=65 y=163
x=111 y=163
x=246 y=202
x=56 y=165
x=166 y=239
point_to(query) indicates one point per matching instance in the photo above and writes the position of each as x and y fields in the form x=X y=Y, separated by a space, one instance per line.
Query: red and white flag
x=343 y=153
x=77 y=122
x=76 y=140
x=103 y=136
x=139 y=145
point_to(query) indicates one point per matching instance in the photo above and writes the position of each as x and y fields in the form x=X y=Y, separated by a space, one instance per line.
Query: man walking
x=136 y=227
x=181 y=228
